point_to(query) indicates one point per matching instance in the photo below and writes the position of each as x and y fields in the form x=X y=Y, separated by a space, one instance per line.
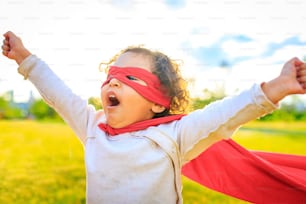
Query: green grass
x=40 y=163
x=43 y=162
x=282 y=137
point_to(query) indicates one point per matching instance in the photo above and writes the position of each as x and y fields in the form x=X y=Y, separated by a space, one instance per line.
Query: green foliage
x=40 y=163
x=13 y=113
x=279 y=115
x=8 y=111
x=96 y=102
x=198 y=103
x=40 y=110
x=287 y=112
x=293 y=111
x=274 y=136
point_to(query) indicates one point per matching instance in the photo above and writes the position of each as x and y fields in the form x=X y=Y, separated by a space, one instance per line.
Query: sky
x=228 y=44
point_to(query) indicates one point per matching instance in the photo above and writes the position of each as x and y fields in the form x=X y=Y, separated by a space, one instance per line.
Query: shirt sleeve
x=73 y=109
x=219 y=120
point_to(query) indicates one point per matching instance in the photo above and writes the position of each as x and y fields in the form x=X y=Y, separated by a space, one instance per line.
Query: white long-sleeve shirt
x=131 y=167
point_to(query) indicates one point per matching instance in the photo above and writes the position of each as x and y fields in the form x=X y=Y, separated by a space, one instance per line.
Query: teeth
x=113 y=100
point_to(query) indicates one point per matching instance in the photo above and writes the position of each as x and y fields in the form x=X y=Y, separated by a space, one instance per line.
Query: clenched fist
x=13 y=47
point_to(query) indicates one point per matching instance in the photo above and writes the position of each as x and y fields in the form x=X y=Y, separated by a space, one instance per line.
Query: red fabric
x=152 y=90
x=138 y=126
x=256 y=177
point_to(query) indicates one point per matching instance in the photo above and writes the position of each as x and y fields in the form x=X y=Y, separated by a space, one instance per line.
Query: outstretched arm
x=72 y=108
x=220 y=119
x=292 y=80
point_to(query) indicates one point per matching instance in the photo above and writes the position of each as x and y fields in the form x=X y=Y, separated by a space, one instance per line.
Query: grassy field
x=42 y=162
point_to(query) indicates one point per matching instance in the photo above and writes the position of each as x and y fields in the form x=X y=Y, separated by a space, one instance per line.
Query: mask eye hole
x=132 y=78
x=135 y=79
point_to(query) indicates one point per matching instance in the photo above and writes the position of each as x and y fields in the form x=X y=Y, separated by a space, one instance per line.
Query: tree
x=9 y=111
x=40 y=110
x=210 y=97
x=96 y=102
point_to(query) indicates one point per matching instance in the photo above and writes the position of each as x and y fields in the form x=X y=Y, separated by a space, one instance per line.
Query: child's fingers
x=6 y=42
x=303 y=85
x=297 y=61
x=301 y=79
x=294 y=61
x=303 y=66
x=5 y=52
x=301 y=75
x=5 y=47
x=301 y=70
x=10 y=38
x=9 y=34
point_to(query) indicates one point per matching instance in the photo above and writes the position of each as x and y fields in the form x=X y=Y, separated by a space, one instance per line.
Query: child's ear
x=156 y=108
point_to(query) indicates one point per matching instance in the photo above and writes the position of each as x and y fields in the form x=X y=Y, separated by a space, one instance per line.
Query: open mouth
x=113 y=101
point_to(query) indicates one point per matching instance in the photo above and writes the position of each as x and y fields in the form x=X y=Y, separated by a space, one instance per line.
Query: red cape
x=227 y=167
x=257 y=177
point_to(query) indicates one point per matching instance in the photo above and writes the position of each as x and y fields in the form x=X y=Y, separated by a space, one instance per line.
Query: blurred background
x=225 y=43
x=224 y=46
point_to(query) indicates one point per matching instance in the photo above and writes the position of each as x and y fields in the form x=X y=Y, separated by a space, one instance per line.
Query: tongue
x=114 y=101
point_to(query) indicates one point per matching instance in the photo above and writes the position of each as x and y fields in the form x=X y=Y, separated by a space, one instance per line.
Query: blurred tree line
x=38 y=109
x=7 y=111
x=290 y=111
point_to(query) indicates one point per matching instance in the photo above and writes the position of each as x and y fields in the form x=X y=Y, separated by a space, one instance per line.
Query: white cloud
x=290 y=51
x=75 y=36
x=235 y=49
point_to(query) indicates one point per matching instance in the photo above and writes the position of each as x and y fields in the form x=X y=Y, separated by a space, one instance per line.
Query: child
x=135 y=147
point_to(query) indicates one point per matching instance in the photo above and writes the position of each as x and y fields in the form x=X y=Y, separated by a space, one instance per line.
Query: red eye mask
x=151 y=91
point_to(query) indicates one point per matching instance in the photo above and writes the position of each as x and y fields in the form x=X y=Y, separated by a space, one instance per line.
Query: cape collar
x=139 y=125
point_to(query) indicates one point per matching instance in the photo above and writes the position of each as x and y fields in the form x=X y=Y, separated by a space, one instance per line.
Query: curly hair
x=167 y=70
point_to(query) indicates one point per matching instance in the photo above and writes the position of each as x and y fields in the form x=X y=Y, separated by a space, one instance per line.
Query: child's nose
x=114 y=82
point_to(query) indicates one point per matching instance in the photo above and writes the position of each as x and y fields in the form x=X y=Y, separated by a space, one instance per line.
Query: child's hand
x=292 y=80
x=13 y=48
x=301 y=77
x=294 y=75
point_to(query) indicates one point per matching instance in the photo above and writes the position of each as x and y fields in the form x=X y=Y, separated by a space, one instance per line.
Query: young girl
x=135 y=147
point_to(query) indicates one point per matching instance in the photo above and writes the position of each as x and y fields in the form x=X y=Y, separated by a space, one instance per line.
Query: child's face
x=121 y=103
